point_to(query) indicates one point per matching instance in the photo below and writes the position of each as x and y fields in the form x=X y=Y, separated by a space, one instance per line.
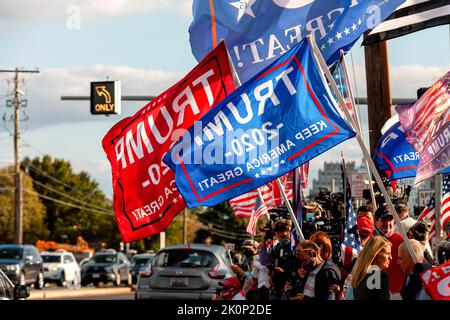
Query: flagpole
x=358 y=124
x=437 y=212
x=322 y=64
x=291 y=212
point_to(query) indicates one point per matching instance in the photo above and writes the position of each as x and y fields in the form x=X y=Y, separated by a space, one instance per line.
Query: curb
x=73 y=293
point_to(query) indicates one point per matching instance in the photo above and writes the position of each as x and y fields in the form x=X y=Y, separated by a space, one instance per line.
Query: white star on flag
x=353 y=27
x=339 y=35
x=347 y=31
x=330 y=41
x=244 y=7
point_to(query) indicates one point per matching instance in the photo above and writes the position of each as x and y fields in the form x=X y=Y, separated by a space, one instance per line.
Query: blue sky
x=145 y=44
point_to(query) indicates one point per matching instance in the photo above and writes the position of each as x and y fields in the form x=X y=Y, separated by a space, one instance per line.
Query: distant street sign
x=359 y=182
x=424 y=196
x=105 y=97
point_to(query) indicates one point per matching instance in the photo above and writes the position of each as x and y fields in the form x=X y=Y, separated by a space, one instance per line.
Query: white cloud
x=46 y=88
x=404 y=80
x=58 y=9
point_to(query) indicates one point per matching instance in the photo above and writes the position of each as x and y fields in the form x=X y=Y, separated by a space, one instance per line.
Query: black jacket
x=363 y=292
x=327 y=276
x=413 y=283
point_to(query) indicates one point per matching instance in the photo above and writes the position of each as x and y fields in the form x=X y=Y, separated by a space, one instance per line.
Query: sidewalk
x=72 y=293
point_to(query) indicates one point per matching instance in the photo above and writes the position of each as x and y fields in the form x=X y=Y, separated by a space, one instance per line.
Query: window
x=68 y=259
x=186 y=259
x=51 y=258
x=11 y=253
x=104 y=258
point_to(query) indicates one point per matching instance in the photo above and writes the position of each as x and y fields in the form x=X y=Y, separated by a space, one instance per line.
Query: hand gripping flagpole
x=358 y=123
x=291 y=212
x=322 y=64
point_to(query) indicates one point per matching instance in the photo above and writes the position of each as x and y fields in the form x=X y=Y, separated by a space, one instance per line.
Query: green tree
x=74 y=203
x=33 y=210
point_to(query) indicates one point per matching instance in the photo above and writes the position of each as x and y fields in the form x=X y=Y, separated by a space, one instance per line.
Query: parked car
x=189 y=271
x=22 y=264
x=61 y=267
x=107 y=267
x=83 y=262
x=138 y=262
x=8 y=291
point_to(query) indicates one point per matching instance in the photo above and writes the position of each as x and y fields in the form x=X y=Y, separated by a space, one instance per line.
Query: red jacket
x=396 y=275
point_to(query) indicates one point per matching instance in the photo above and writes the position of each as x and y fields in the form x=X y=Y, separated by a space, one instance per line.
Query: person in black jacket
x=369 y=279
x=412 y=288
x=324 y=279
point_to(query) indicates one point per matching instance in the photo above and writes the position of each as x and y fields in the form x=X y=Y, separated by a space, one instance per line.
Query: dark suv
x=107 y=267
x=22 y=264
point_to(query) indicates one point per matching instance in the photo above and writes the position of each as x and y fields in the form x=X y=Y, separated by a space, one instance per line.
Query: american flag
x=429 y=213
x=258 y=211
x=420 y=119
x=343 y=87
x=243 y=205
x=411 y=16
x=351 y=244
x=424 y=124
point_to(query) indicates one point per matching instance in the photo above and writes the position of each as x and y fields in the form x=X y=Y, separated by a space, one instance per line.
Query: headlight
x=54 y=268
x=13 y=267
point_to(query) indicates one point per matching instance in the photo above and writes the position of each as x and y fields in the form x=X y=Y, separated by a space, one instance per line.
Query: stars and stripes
x=426 y=125
x=411 y=16
x=351 y=244
x=260 y=210
x=243 y=205
x=429 y=212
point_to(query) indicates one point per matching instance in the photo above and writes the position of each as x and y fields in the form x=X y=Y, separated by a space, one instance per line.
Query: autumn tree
x=34 y=227
x=75 y=205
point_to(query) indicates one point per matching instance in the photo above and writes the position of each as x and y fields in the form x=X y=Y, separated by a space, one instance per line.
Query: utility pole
x=379 y=100
x=18 y=207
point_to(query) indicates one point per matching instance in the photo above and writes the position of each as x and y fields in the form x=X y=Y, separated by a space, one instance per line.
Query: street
x=104 y=292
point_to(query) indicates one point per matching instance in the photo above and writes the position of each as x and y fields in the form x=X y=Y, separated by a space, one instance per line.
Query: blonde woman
x=369 y=279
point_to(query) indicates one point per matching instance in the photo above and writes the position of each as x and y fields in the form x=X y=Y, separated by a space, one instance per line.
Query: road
x=104 y=292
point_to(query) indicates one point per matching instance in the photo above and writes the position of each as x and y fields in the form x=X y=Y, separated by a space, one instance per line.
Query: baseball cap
x=251 y=244
x=383 y=213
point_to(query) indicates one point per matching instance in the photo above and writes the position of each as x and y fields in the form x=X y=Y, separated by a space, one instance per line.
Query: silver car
x=189 y=271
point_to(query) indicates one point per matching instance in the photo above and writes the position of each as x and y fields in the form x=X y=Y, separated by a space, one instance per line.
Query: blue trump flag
x=273 y=123
x=396 y=156
x=259 y=31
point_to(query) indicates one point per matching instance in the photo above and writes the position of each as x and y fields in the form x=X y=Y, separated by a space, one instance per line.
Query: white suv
x=61 y=267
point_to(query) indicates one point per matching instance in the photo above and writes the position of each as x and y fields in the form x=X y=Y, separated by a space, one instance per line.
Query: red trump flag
x=145 y=196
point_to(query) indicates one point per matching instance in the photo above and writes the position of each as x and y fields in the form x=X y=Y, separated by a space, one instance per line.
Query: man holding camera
x=282 y=264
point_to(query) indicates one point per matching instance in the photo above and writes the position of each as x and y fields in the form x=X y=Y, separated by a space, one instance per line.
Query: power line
x=68 y=203
x=40 y=171
x=68 y=196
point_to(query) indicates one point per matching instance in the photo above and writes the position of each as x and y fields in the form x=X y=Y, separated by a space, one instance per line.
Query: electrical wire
x=68 y=203
x=40 y=171
x=68 y=196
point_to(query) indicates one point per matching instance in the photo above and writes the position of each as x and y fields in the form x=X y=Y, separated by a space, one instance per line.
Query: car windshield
x=51 y=258
x=11 y=253
x=185 y=258
x=140 y=262
x=104 y=258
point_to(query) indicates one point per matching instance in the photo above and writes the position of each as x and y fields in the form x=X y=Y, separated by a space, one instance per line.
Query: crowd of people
x=279 y=269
